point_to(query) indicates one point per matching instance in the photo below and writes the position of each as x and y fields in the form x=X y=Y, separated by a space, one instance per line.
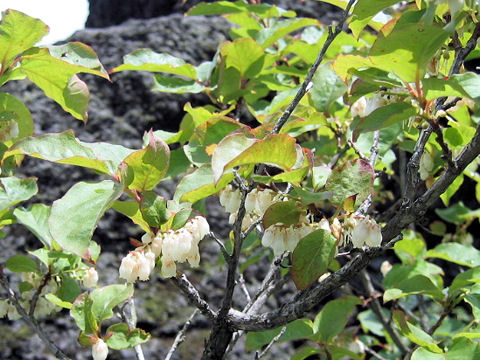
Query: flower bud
x=99 y=350
x=90 y=278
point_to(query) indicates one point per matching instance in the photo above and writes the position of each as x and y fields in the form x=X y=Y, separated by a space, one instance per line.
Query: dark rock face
x=105 y=13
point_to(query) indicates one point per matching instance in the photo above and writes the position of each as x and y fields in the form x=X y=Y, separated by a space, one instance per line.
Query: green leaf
x=371 y=323
x=131 y=209
x=75 y=216
x=285 y=212
x=308 y=197
x=463 y=348
x=365 y=10
x=452 y=189
x=176 y=85
x=230 y=7
x=146 y=167
x=153 y=209
x=35 y=219
x=400 y=276
x=21 y=263
x=327 y=88
x=457 y=253
x=106 y=298
x=466 y=278
x=414 y=333
x=69 y=289
x=81 y=312
x=206 y=134
x=123 y=338
x=56 y=78
x=353 y=178
x=79 y=54
x=407 y=49
x=199 y=184
x=332 y=319
x=383 y=117
x=311 y=258
x=18 y=32
x=461 y=85
x=9 y=103
x=297 y=329
x=236 y=150
x=14 y=190
x=423 y=354
x=148 y=60
x=457 y=213
x=269 y=35
x=180 y=219
x=410 y=249
x=57 y=301
x=320 y=175
x=245 y=55
x=418 y=284
x=65 y=148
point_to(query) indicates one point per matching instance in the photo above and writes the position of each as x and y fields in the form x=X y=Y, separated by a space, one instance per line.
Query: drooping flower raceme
x=174 y=246
x=283 y=238
x=366 y=232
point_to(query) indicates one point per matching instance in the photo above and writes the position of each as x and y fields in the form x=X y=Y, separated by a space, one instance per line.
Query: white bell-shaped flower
x=366 y=232
x=230 y=199
x=169 y=269
x=137 y=264
x=156 y=245
x=99 y=350
x=90 y=278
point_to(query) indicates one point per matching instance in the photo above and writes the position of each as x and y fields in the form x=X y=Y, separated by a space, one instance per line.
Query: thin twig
x=251 y=228
x=374 y=353
x=180 y=338
x=243 y=286
x=270 y=344
x=378 y=311
x=413 y=177
x=30 y=320
x=363 y=208
x=194 y=296
x=129 y=313
x=223 y=249
x=36 y=295
x=447 y=153
x=306 y=83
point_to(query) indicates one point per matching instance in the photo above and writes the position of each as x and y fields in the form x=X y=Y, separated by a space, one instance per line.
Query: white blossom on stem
x=99 y=350
x=90 y=278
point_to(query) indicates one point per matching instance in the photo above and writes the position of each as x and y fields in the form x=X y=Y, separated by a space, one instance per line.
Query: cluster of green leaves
x=374 y=92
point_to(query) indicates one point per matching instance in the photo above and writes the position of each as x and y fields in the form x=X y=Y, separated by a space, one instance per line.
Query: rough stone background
x=120 y=112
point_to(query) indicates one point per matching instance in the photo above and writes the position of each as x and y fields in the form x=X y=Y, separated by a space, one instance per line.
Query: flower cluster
x=283 y=238
x=256 y=202
x=174 y=246
x=358 y=231
x=361 y=231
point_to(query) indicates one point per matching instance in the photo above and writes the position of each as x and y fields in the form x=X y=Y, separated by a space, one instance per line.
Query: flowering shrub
x=353 y=136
